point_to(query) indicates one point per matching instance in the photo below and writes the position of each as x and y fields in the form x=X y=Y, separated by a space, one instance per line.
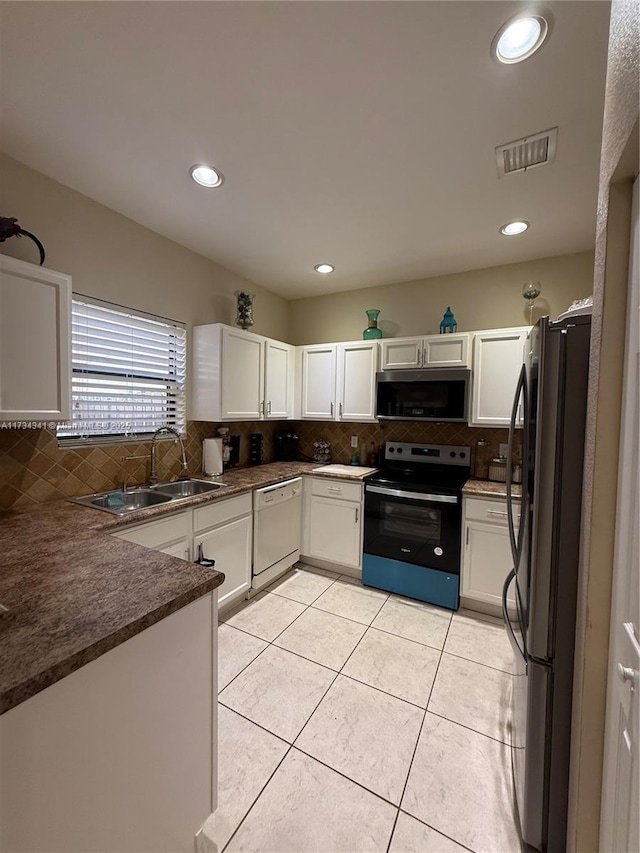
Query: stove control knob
x=462 y=455
x=453 y=454
x=391 y=449
x=399 y=450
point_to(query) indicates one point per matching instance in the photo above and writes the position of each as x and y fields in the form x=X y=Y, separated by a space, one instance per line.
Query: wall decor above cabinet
x=240 y=376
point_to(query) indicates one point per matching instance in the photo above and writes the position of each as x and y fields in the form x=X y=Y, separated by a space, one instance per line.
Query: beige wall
x=113 y=258
x=619 y=164
x=480 y=299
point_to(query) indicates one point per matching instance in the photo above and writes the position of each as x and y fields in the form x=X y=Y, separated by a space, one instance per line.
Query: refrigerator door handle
x=522 y=652
x=521 y=389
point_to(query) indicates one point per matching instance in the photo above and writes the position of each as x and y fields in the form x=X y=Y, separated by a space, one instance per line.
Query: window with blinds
x=128 y=374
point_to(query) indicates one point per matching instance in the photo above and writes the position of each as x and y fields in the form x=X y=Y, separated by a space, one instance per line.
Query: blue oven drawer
x=431 y=585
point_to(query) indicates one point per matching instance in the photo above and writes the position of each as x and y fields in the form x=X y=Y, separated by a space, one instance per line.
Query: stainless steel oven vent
x=539 y=149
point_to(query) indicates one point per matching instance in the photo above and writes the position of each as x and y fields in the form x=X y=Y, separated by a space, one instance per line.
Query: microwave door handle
x=515 y=546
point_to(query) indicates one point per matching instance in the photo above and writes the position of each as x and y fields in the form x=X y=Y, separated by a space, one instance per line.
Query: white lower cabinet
x=222 y=527
x=332 y=522
x=487 y=556
x=179 y=549
x=170 y=535
x=230 y=546
x=121 y=754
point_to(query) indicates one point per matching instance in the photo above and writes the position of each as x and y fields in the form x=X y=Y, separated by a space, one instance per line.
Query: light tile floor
x=352 y=720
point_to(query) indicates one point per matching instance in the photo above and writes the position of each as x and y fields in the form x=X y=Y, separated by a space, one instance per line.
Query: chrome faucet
x=153 y=478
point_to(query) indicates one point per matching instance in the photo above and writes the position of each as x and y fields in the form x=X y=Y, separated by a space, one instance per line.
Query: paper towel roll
x=212 y=456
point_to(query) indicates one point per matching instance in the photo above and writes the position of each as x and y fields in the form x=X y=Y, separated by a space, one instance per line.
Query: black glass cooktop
x=445 y=479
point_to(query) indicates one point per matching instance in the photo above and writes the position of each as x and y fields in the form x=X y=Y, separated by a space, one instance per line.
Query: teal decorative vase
x=372 y=332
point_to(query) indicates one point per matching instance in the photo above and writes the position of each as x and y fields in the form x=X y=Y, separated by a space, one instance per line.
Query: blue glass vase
x=372 y=332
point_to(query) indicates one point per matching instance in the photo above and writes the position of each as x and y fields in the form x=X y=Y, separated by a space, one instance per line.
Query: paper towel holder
x=212 y=464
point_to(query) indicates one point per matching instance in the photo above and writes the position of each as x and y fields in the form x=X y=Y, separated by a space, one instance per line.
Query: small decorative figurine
x=244 y=317
x=372 y=332
x=9 y=227
x=449 y=323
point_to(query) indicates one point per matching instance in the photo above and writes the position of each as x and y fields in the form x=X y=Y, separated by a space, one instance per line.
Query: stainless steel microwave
x=423 y=395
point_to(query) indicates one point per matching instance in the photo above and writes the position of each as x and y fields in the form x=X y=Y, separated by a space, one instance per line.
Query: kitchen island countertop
x=73 y=591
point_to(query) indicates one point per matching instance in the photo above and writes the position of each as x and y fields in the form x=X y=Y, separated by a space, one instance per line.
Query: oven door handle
x=414 y=496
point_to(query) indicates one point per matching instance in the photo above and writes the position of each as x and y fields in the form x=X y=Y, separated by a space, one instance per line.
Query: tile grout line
x=468 y=728
x=292 y=745
x=344 y=776
x=246 y=814
x=270 y=643
x=415 y=749
x=439 y=831
x=486 y=665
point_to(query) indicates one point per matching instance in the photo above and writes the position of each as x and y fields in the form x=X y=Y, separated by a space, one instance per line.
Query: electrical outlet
x=354 y=441
x=503 y=449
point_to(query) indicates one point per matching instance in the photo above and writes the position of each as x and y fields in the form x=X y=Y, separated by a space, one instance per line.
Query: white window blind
x=128 y=374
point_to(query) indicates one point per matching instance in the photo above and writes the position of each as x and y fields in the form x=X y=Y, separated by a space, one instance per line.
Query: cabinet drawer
x=221 y=511
x=494 y=511
x=338 y=489
x=154 y=534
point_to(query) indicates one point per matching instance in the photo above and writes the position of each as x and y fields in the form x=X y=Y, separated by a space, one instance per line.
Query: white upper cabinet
x=451 y=350
x=357 y=365
x=401 y=353
x=338 y=381
x=242 y=375
x=446 y=350
x=319 y=382
x=278 y=384
x=498 y=356
x=35 y=342
x=239 y=376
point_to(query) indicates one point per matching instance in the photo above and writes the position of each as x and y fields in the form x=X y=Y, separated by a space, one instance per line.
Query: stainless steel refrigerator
x=551 y=404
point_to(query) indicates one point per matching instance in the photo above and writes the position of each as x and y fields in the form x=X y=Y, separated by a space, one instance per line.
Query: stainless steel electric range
x=413 y=522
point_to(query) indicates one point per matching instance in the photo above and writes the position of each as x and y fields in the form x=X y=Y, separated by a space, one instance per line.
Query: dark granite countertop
x=489 y=489
x=74 y=592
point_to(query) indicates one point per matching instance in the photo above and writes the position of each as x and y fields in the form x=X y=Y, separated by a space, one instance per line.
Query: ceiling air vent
x=539 y=149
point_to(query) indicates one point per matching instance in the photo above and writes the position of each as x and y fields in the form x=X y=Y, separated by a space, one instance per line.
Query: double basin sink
x=122 y=502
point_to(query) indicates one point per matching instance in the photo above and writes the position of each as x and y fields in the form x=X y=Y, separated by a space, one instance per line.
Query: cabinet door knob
x=626 y=673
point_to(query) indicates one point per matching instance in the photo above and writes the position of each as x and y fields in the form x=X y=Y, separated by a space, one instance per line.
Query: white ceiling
x=359 y=133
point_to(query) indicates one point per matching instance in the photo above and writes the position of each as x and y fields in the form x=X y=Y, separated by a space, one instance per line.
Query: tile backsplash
x=34 y=469
x=371 y=437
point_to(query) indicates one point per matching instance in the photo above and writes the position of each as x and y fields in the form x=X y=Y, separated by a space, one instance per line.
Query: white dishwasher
x=277 y=523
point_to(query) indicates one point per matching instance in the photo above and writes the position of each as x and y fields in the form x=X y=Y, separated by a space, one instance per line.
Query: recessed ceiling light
x=324 y=269
x=519 y=38
x=206 y=176
x=518 y=226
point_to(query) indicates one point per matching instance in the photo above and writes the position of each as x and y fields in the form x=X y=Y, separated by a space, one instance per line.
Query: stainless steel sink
x=121 y=502
x=187 y=488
